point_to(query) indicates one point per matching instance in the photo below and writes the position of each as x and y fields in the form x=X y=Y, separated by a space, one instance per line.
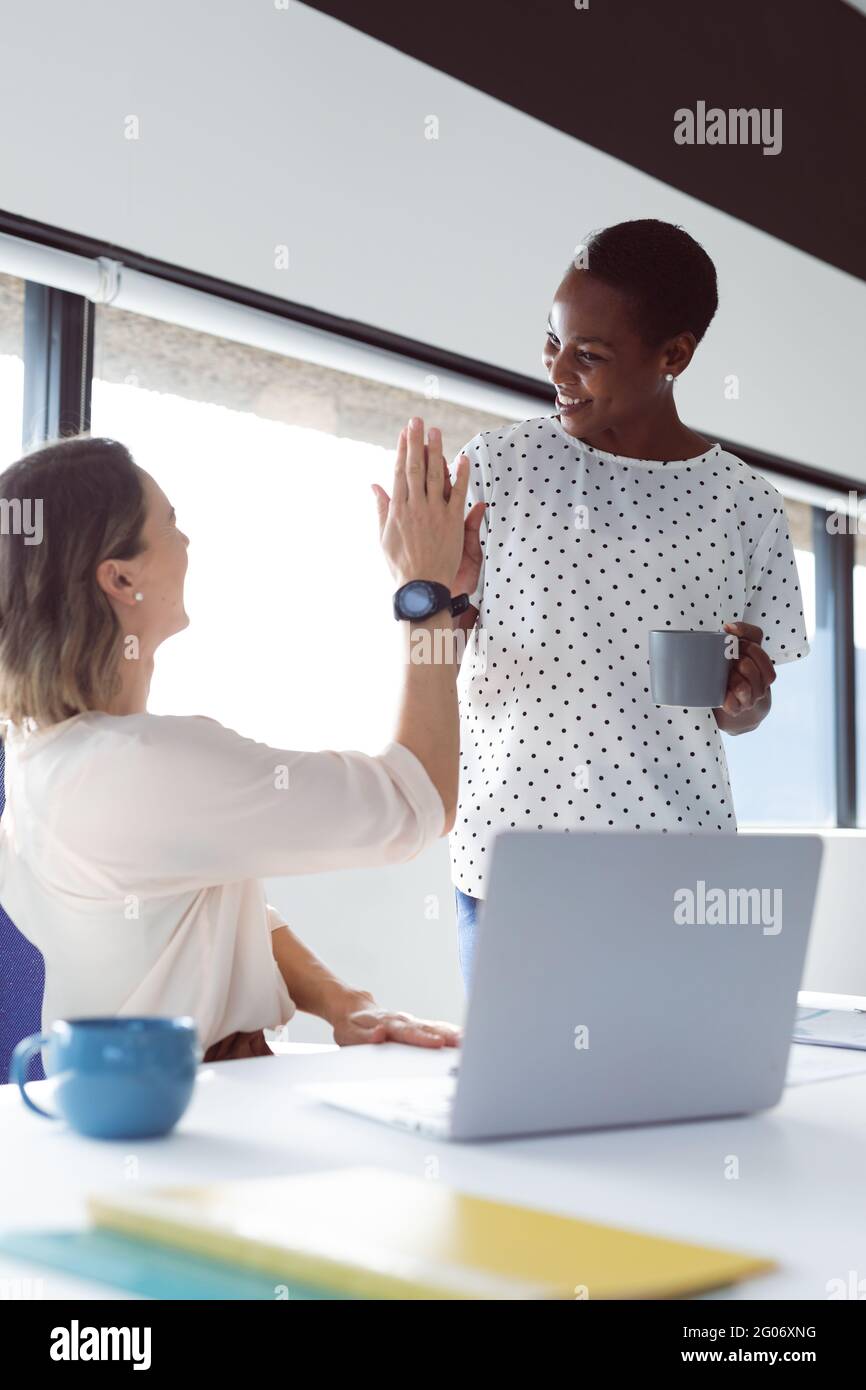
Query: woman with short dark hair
x=605 y=520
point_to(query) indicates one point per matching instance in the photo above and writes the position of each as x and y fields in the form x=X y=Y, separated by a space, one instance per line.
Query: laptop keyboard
x=432 y=1101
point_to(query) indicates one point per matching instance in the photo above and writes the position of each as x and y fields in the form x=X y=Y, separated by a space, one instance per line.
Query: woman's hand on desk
x=353 y=1013
x=370 y=1024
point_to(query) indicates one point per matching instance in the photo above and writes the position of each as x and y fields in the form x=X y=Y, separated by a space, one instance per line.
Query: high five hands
x=421 y=537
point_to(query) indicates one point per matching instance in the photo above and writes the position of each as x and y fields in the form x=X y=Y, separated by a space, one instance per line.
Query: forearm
x=314 y=989
x=747 y=721
x=428 y=720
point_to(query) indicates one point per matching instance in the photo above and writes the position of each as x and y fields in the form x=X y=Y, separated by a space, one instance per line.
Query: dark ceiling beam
x=613 y=75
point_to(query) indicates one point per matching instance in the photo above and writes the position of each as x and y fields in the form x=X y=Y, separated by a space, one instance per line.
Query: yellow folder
x=377 y=1234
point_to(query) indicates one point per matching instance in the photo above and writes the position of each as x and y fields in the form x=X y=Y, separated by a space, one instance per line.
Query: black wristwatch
x=421 y=598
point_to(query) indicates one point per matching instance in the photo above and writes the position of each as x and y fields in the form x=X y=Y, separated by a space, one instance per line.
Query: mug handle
x=18 y=1068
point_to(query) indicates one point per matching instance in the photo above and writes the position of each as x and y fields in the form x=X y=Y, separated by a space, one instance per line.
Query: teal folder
x=150 y=1270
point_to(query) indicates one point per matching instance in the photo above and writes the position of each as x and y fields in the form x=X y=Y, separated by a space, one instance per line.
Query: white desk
x=800 y=1196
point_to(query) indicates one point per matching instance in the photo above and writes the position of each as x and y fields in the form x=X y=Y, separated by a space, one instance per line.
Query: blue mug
x=116 y=1078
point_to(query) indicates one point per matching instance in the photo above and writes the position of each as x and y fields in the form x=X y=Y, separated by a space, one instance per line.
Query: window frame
x=58 y=363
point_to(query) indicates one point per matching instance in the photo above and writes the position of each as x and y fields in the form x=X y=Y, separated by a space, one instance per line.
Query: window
x=268 y=462
x=784 y=772
x=11 y=368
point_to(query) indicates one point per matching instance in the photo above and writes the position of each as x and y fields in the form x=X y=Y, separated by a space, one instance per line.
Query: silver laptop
x=620 y=979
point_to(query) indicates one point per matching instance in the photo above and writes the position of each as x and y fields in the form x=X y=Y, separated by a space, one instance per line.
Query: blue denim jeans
x=468 y=917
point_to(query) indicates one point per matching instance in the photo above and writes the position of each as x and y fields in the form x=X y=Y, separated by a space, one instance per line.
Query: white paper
x=831 y=1027
x=807 y=1064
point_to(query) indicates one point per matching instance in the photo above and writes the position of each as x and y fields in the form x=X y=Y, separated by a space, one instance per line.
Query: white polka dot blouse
x=584 y=553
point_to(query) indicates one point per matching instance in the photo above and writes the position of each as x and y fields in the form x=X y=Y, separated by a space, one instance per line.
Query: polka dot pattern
x=585 y=553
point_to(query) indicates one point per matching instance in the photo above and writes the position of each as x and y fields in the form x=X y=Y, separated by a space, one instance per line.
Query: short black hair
x=665 y=274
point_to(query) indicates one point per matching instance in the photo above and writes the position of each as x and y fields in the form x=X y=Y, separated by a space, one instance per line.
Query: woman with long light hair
x=133 y=846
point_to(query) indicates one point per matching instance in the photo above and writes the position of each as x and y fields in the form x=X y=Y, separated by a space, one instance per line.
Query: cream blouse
x=132 y=850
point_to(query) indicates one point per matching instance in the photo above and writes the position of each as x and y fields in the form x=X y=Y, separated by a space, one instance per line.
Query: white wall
x=262 y=126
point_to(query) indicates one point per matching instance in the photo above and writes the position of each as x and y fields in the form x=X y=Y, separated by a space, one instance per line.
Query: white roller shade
x=108 y=281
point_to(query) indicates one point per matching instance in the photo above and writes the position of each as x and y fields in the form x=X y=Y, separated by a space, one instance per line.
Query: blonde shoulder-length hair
x=64 y=508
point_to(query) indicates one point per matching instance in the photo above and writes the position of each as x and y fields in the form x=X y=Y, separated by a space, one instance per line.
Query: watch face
x=416 y=600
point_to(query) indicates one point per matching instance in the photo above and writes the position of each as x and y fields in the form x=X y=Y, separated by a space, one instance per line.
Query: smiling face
x=606 y=377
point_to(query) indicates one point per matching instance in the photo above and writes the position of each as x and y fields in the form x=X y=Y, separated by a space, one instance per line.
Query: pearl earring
x=669 y=376
x=139 y=597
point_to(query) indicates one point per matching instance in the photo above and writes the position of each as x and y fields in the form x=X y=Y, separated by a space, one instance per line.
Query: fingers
x=762 y=661
x=436 y=466
x=461 y=484
x=474 y=518
x=448 y=486
x=400 y=490
x=362 y=1029
x=417 y=1032
x=446 y=481
x=422 y=524
x=367 y=1026
x=383 y=503
x=451 y=1034
x=747 y=631
x=746 y=683
x=412 y=1032
x=739 y=694
x=416 y=463
x=753 y=672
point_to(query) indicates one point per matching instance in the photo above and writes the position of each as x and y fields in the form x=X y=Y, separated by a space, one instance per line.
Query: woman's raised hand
x=421 y=525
